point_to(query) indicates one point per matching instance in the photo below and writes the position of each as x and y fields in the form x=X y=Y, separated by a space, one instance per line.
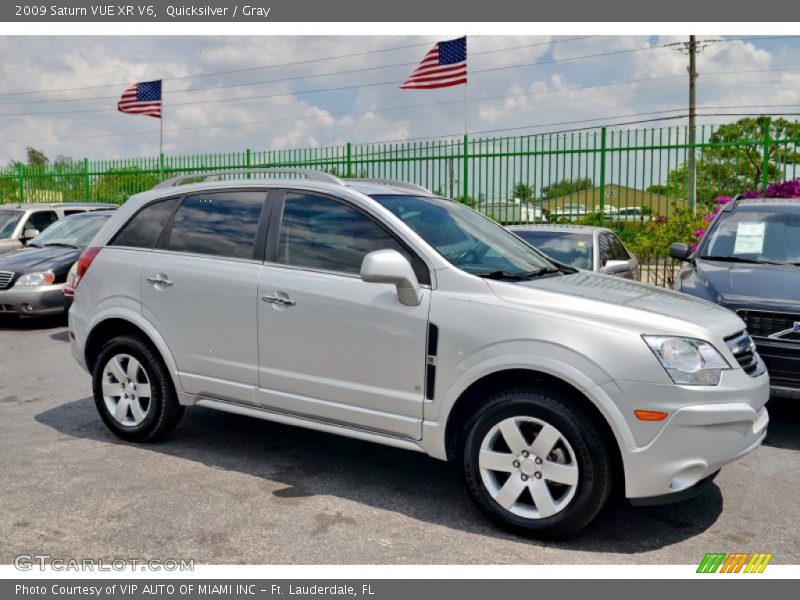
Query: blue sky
x=751 y=73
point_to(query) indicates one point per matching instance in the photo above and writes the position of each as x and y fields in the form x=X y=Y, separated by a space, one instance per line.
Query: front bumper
x=36 y=300
x=707 y=428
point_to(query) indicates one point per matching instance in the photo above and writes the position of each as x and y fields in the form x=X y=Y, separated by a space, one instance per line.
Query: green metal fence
x=627 y=179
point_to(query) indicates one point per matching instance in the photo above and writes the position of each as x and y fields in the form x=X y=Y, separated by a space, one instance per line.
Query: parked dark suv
x=749 y=262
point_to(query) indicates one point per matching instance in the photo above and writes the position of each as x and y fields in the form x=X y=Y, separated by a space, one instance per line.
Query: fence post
x=248 y=160
x=465 y=173
x=602 y=173
x=765 y=164
x=349 y=165
x=87 y=194
x=21 y=178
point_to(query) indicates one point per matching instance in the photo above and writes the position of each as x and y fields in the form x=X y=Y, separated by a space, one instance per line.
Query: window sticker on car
x=749 y=238
x=581 y=244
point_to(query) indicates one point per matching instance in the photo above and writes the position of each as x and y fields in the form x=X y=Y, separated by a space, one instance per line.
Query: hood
x=614 y=302
x=29 y=260
x=742 y=284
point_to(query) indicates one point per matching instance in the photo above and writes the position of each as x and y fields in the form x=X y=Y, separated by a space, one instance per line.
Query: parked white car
x=581 y=246
x=389 y=315
x=570 y=212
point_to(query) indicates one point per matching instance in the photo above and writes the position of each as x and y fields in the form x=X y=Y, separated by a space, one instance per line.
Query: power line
x=339 y=88
x=250 y=69
x=285 y=79
x=413 y=106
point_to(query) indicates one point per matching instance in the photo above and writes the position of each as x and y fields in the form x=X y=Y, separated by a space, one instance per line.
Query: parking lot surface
x=228 y=489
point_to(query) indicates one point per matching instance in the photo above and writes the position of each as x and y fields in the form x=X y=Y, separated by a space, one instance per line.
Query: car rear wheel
x=133 y=391
x=535 y=465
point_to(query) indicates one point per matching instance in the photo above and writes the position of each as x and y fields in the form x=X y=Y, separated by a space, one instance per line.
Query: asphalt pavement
x=229 y=489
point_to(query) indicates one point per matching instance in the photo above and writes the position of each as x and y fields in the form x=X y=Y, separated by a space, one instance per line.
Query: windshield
x=464 y=237
x=8 y=221
x=574 y=249
x=74 y=232
x=765 y=234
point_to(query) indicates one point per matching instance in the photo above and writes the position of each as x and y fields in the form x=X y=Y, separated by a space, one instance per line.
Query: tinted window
x=143 y=230
x=573 y=249
x=41 y=220
x=604 y=249
x=616 y=249
x=218 y=224
x=320 y=233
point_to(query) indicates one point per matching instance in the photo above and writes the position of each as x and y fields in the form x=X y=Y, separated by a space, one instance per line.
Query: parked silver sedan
x=583 y=247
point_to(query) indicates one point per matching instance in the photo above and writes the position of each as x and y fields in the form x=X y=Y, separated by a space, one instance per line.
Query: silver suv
x=381 y=312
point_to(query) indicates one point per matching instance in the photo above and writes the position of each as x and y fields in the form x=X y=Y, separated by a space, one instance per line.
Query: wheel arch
x=513 y=378
x=111 y=326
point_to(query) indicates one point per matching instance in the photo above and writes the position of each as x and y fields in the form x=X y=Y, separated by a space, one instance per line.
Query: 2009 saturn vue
x=378 y=311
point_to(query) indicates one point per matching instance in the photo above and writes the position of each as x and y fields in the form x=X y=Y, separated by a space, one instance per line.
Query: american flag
x=443 y=66
x=143 y=98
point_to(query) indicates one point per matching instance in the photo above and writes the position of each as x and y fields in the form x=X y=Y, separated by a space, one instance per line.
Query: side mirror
x=616 y=266
x=29 y=234
x=389 y=266
x=679 y=251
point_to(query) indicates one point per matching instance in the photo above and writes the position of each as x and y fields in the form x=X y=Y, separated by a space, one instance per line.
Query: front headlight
x=686 y=360
x=43 y=278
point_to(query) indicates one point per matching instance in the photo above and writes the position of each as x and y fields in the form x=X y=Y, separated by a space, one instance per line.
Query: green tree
x=567 y=186
x=35 y=157
x=735 y=161
x=117 y=185
x=524 y=192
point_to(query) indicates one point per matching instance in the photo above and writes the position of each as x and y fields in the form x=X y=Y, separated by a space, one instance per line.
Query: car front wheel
x=534 y=464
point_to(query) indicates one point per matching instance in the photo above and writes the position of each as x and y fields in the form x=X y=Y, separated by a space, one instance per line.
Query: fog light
x=27 y=307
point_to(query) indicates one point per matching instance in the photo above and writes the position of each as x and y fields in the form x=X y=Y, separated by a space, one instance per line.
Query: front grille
x=744 y=351
x=5 y=279
x=765 y=324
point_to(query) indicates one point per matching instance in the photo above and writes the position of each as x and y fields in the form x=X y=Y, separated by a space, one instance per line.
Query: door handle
x=159 y=279
x=275 y=299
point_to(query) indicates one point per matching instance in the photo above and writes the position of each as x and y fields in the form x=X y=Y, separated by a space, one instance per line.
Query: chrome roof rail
x=403 y=185
x=310 y=174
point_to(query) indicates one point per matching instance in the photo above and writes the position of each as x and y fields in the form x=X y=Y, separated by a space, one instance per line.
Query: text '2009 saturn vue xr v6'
x=379 y=311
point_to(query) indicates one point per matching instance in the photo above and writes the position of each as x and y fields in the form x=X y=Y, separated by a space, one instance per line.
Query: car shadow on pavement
x=311 y=463
x=784 y=424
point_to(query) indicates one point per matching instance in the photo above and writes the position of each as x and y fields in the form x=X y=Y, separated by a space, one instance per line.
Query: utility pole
x=692 y=48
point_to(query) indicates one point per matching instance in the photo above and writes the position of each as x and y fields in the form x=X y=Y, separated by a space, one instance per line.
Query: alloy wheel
x=126 y=390
x=528 y=467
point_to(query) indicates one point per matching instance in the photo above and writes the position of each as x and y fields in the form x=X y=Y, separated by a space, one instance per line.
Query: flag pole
x=161 y=136
x=465 y=94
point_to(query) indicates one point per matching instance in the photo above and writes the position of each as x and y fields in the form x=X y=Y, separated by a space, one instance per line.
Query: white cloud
x=216 y=121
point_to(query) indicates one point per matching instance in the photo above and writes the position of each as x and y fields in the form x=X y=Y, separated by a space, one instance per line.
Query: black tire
x=591 y=456
x=163 y=410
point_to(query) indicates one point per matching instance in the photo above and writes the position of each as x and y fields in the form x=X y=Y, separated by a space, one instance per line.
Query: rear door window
x=218 y=224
